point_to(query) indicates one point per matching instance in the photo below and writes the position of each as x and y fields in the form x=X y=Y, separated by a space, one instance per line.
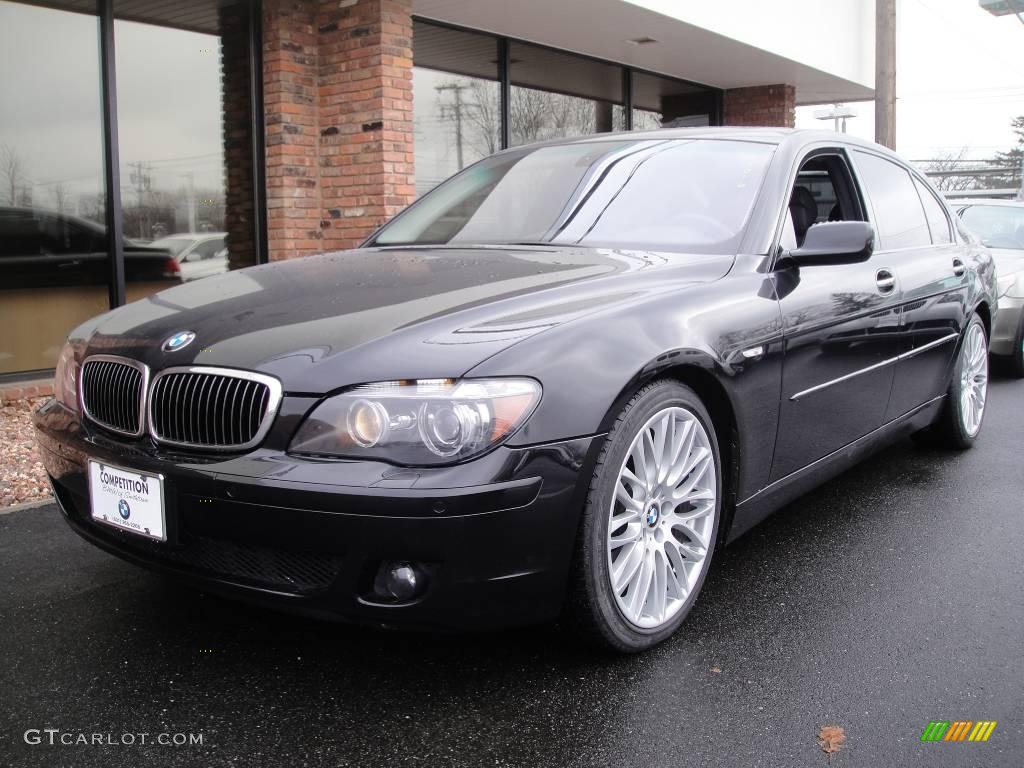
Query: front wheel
x=960 y=420
x=650 y=522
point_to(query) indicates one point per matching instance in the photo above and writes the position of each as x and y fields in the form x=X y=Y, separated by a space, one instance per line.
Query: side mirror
x=834 y=242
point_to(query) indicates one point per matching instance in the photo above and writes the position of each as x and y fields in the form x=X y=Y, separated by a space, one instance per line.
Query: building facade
x=216 y=135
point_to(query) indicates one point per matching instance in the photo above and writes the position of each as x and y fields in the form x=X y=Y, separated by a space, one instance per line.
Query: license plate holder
x=128 y=499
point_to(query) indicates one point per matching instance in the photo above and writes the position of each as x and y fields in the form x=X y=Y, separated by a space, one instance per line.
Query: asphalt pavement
x=888 y=598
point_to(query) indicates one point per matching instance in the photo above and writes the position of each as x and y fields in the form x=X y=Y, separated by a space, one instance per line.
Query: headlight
x=418 y=423
x=65 y=378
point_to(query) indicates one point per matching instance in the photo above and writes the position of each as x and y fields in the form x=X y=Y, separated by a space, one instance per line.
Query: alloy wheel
x=974 y=379
x=661 y=518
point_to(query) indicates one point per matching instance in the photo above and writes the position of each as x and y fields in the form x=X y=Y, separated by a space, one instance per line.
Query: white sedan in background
x=197 y=254
x=999 y=224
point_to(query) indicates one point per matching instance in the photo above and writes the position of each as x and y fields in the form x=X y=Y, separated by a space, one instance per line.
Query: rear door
x=916 y=235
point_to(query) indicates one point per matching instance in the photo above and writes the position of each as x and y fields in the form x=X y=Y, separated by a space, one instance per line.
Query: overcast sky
x=959 y=81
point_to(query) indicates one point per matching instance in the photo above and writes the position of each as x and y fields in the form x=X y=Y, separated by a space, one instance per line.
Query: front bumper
x=494 y=536
x=1007 y=326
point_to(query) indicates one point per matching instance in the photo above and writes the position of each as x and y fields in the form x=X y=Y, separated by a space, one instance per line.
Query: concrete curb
x=27 y=505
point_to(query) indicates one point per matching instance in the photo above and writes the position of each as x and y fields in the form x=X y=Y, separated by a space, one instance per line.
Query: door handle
x=885 y=280
x=958 y=268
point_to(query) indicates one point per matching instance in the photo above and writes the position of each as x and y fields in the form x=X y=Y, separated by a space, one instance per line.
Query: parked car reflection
x=196 y=254
x=60 y=259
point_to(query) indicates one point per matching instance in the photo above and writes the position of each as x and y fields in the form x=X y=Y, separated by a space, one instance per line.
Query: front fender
x=729 y=330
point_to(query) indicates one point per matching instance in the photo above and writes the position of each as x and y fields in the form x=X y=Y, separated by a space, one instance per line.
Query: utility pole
x=141 y=179
x=885 y=73
x=191 y=200
x=454 y=112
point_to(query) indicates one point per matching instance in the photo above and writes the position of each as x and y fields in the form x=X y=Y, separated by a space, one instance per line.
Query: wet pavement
x=889 y=597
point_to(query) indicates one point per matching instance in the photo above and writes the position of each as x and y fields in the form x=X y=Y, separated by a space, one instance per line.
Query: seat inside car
x=803 y=210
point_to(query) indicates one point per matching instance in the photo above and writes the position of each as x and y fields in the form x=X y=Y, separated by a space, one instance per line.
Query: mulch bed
x=22 y=476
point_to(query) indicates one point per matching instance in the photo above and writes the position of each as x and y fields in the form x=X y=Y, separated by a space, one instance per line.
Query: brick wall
x=773 y=105
x=337 y=79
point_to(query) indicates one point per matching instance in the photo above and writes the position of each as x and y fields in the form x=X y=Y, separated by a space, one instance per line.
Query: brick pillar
x=338 y=102
x=238 y=138
x=771 y=105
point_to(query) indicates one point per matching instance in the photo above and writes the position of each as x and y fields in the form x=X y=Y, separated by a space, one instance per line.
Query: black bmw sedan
x=555 y=385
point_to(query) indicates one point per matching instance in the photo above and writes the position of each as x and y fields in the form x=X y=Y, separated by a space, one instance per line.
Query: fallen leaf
x=715 y=669
x=831 y=738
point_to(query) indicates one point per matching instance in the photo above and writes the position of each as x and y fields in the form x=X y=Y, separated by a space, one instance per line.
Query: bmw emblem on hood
x=180 y=340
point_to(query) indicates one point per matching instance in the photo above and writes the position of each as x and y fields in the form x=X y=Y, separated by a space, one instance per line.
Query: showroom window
x=53 y=252
x=556 y=95
x=457 y=96
x=189 y=162
x=475 y=93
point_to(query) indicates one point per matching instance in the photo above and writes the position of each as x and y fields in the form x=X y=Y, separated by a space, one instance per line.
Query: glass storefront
x=557 y=95
x=457 y=118
x=53 y=249
x=182 y=84
x=459 y=114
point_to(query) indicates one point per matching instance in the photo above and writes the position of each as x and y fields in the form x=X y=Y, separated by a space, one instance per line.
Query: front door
x=841 y=326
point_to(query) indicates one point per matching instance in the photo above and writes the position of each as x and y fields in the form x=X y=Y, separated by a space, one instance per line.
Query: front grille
x=112 y=393
x=301 y=572
x=212 y=407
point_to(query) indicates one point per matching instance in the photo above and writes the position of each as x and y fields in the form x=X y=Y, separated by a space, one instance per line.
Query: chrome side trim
x=142 y=368
x=876 y=366
x=273 y=402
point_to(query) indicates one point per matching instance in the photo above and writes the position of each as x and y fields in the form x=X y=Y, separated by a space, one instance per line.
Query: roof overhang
x=708 y=43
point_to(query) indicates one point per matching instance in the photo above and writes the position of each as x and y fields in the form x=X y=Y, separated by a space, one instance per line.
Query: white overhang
x=824 y=49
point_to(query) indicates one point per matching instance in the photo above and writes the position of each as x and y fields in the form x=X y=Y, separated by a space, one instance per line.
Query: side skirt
x=756 y=508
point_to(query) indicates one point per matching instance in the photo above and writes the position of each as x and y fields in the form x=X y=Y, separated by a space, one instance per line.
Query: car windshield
x=670 y=195
x=998 y=226
x=173 y=244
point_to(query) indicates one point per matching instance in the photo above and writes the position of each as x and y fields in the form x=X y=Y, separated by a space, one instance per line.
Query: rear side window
x=899 y=216
x=938 y=222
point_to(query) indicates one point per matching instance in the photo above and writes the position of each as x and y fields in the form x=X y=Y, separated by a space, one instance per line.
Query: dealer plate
x=127 y=499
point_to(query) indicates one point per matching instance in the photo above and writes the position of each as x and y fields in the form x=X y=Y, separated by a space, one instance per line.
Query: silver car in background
x=196 y=254
x=999 y=224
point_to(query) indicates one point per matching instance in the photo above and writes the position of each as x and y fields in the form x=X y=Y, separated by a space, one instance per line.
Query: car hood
x=324 y=322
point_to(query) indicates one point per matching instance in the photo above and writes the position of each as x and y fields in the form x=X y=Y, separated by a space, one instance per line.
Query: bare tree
x=484 y=117
x=61 y=197
x=12 y=173
x=947 y=171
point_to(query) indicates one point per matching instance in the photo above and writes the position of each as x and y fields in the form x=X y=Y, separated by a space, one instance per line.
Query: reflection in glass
x=661 y=102
x=171 y=85
x=457 y=117
x=556 y=95
x=53 y=263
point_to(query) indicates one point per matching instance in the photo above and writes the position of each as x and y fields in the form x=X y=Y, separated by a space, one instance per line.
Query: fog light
x=401 y=581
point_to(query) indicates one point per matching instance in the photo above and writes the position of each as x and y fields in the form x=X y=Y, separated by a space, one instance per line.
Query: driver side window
x=823 y=191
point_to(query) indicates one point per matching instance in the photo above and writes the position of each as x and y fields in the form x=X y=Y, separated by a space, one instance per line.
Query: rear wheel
x=650 y=522
x=959 y=423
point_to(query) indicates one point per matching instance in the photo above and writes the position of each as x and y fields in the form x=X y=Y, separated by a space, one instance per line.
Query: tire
x=957 y=425
x=676 y=551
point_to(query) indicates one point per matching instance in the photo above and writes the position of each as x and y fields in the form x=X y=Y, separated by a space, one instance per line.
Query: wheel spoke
x=626 y=568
